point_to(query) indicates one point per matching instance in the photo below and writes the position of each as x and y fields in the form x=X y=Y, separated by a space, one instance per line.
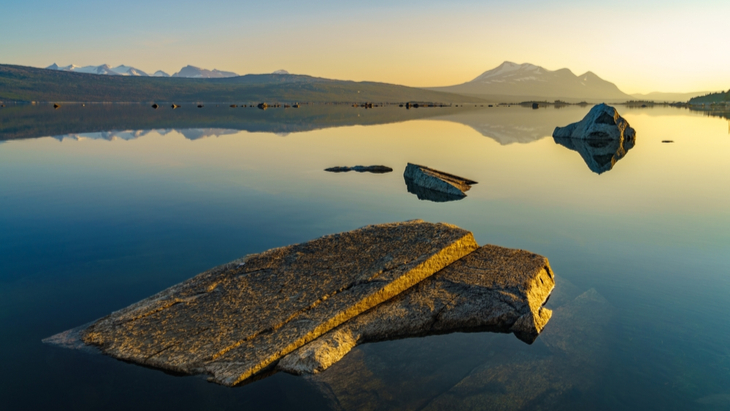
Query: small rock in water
x=155 y=106
x=55 y=105
x=360 y=169
x=174 y=106
x=436 y=180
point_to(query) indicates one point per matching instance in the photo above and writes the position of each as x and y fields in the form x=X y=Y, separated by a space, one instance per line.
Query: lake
x=104 y=205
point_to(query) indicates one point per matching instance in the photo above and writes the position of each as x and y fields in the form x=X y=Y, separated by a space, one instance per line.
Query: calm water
x=94 y=219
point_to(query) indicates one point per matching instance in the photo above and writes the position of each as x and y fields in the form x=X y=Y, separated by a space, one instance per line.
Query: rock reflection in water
x=481 y=371
x=600 y=155
x=431 y=195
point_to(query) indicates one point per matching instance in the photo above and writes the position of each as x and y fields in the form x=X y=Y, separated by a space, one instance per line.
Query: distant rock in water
x=602 y=138
x=435 y=180
x=602 y=122
x=155 y=106
x=174 y=106
x=56 y=105
x=360 y=169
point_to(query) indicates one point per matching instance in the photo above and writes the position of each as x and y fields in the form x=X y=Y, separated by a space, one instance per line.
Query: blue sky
x=641 y=46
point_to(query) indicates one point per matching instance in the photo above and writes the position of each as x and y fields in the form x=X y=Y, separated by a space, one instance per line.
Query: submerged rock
x=360 y=169
x=494 y=288
x=238 y=319
x=602 y=122
x=436 y=180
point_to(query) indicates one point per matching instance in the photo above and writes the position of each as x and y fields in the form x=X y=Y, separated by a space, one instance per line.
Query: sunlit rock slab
x=239 y=318
x=492 y=289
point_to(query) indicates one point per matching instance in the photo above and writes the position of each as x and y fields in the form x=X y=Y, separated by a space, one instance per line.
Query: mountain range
x=122 y=70
x=509 y=82
x=530 y=82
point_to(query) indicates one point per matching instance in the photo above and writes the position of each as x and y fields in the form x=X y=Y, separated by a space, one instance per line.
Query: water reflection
x=127 y=135
x=506 y=125
x=600 y=155
x=424 y=193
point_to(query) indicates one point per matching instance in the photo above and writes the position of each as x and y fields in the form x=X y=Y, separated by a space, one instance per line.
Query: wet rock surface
x=435 y=180
x=360 y=169
x=238 y=319
x=492 y=289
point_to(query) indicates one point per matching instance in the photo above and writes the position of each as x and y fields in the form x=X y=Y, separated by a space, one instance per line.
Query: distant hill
x=19 y=83
x=197 y=72
x=520 y=82
x=719 y=97
x=671 y=97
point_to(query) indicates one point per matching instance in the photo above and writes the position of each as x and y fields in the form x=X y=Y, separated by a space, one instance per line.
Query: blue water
x=91 y=224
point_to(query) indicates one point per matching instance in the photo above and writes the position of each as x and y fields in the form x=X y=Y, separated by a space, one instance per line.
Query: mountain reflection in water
x=506 y=125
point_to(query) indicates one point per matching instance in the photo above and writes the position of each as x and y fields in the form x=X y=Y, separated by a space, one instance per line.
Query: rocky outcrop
x=237 y=319
x=436 y=180
x=602 y=122
x=360 y=169
x=494 y=288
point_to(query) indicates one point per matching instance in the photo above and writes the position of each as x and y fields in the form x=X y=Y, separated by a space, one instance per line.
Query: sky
x=641 y=46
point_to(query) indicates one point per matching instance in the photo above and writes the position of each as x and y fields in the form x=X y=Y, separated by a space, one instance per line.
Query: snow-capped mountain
x=122 y=70
x=531 y=81
x=105 y=69
x=197 y=72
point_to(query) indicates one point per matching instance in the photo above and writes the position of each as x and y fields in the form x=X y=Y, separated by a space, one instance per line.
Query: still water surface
x=94 y=219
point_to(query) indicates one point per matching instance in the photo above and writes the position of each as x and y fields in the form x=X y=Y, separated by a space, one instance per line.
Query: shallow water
x=94 y=219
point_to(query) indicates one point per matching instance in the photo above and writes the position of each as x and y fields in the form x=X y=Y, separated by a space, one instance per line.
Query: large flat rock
x=492 y=289
x=237 y=319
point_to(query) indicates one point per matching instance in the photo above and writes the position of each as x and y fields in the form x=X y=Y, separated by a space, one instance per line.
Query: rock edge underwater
x=301 y=308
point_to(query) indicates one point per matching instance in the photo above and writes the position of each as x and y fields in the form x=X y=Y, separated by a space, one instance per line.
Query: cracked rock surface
x=240 y=318
x=494 y=288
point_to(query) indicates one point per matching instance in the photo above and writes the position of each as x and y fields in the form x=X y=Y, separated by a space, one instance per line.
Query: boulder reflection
x=600 y=155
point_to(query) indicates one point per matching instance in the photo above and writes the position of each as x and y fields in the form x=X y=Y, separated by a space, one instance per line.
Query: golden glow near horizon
x=652 y=46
